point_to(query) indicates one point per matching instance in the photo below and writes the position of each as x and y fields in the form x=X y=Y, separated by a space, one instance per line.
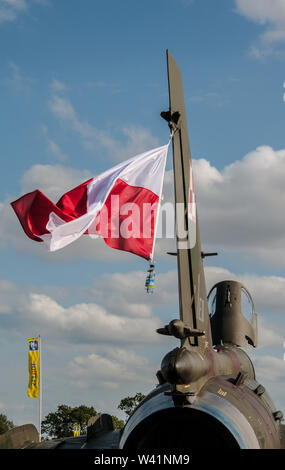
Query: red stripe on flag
x=74 y=203
x=33 y=209
x=143 y=225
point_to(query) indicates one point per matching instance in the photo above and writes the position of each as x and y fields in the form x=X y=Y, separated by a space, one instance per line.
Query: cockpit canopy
x=232 y=314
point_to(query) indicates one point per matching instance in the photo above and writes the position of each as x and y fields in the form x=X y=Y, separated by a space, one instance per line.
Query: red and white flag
x=120 y=205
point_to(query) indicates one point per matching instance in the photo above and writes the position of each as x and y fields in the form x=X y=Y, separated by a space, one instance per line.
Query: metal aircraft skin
x=207 y=394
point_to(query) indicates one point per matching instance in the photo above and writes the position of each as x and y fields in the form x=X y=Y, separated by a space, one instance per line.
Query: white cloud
x=90 y=322
x=241 y=207
x=127 y=296
x=115 y=367
x=82 y=323
x=137 y=139
x=263 y=11
x=10 y=10
x=52 y=180
x=270 y=335
x=269 y=291
x=19 y=83
x=57 y=86
x=274 y=36
x=270 y=371
x=215 y=274
x=117 y=310
x=2 y=406
x=56 y=151
x=269 y=367
x=63 y=109
x=270 y=14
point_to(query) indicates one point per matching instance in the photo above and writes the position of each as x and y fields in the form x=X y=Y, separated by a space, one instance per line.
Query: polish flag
x=120 y=205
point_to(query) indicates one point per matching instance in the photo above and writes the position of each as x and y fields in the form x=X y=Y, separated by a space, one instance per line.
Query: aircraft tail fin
x=192 y=287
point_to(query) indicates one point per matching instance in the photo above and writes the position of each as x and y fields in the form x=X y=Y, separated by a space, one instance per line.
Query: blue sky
x=82 y=85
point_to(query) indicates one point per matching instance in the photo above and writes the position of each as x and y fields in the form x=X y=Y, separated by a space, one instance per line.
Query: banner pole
x=40 y=397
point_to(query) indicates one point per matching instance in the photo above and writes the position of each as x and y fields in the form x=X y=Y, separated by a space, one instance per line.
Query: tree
x=129 y=404
x=117 y=423
x=60 y=424
x=5 y=424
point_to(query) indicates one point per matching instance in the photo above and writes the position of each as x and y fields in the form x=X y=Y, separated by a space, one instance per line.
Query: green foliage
x=5 y=424
x=60 y=424
x=117 y=423
x=129 y=404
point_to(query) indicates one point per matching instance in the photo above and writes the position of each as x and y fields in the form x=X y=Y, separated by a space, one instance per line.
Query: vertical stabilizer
x=192 y=289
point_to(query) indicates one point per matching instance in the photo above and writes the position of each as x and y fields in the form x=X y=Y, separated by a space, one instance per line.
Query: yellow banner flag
x=76 y=430
x=34 y=367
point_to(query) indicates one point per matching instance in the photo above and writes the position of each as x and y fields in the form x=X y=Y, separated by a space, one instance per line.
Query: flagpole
x=40 y=392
